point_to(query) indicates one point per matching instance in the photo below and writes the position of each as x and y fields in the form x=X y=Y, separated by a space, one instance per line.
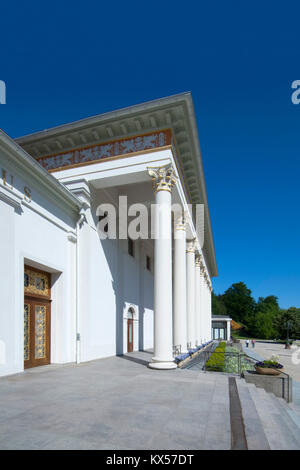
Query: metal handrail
x=288 y=382
x=284 y=373
x=177 y=350
x=249 y=359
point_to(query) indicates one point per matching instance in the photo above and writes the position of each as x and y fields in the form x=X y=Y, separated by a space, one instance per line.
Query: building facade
x=221 y=327
x=74 y=286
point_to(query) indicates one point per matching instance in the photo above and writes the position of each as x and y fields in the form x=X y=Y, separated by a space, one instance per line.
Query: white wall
x=112 y=281
x=8 y=312
x=36 y=233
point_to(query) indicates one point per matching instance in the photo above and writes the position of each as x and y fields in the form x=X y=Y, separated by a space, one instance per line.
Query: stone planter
x=267 y=371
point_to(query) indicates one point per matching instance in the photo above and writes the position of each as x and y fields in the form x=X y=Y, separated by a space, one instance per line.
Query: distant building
x=221 y=327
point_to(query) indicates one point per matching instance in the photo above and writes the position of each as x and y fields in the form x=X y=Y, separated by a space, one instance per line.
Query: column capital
x=180 y=223
x=198 y=260
x=190 y=246
x=163 y=177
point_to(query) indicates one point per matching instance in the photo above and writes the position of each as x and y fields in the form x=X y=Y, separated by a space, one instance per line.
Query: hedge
x=216 y=362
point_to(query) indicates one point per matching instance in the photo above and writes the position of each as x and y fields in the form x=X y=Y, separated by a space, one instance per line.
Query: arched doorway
x=130 y=315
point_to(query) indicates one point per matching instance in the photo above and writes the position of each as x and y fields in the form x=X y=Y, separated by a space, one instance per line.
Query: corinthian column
x=198 y=300
x=163 y=179
x=180 y=333
x=209 y=310
x=206 y=309
x=190 y=293
x=202 y=308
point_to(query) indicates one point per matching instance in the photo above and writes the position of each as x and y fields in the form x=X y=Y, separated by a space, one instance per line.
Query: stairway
x=269 y=422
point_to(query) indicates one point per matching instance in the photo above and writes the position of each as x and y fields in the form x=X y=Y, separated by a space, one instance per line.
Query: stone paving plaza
x=114 y=403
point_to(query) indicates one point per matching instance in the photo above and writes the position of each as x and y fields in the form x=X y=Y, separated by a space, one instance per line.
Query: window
x=130 y=247
x=130 y=313
x=39 y=283
x=148 y=263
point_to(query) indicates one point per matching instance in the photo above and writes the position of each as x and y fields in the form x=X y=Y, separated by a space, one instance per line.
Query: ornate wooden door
x=37 y=317
x=129 y=335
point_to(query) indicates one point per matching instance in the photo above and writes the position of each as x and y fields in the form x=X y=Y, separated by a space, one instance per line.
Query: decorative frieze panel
x=106 y=150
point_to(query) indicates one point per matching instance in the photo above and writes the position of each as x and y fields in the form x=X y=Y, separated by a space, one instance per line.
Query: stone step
x=286 y=415
x=278 y=433
x=255 y=435
x=295 y=408
x=290 y=413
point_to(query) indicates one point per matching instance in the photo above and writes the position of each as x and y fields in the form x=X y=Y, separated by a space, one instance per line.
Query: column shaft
x=209 y=314
x=163 y=179
x=203 y=310
x=228 y=331
x=190 y=292
x=180 y=319
x=197 y=303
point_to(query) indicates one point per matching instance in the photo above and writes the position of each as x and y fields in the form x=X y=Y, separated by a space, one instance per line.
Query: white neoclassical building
x=67 y=293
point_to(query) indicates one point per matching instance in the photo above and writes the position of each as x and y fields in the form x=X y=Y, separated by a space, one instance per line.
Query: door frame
x=34 y=299
x=32 y=362
x=130 y=346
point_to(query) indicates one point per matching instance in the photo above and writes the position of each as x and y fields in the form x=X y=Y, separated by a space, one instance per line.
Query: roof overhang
x=174 y=112
x=220 y=318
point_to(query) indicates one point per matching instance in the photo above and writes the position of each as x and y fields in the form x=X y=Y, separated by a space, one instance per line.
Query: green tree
x=239 y=303
x=262 y=319
x=262 y=324
x=292 y=315
x=270 y=300
x=217 y=305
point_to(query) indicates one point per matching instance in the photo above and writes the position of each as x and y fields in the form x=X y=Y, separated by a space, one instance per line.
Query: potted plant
x=269 y=367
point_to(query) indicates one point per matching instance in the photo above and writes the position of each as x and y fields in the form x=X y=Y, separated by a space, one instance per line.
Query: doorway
x=130 y=330
x=37 y=317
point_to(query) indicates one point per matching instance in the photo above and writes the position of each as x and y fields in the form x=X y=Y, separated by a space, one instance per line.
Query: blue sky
x=63 y=61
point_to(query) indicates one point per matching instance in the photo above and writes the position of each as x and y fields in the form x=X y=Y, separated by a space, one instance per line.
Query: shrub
x=216 y=362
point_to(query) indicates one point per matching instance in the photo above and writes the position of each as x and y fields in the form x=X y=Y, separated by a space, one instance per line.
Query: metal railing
x=228 y=362
x=288 y=398
x=222 y=365
x=177 y=350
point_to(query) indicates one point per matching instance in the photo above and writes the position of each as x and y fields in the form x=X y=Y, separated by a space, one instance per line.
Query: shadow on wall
x=116 y=258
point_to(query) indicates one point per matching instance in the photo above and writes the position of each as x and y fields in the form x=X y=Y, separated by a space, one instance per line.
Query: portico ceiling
x=174 y=112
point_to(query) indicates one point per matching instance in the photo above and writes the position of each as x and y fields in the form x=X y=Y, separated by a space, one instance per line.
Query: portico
x=124 y=293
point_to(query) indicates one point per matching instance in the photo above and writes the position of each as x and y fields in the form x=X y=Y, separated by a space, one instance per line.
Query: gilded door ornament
x=36 y=283
x=26 y=331
x=40 y=331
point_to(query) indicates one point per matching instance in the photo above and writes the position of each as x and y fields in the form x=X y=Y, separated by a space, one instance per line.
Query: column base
x=162 y=365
